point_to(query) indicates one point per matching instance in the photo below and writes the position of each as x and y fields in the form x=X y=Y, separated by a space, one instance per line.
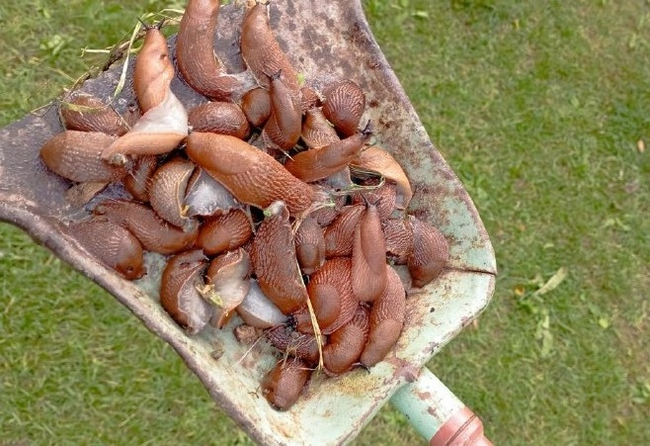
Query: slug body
x=293 y=343
x=344 y=106
x=251 y=175
x=224 y=118
x=258 y=311
x=339 y=236
x=310 y=245
x=429 y=254
x=346 y=344
x=224 y=232
x=398 y=234
x=205 y=196
x=285 y=382
x=138 y=180
x=316 y=131
x=153 y=72
x=197 y=63
x=369 y=257
x=274 y=261
x=284 y=125
x=229 y=283
x=178 y=291
x=167 y=192
x=113 y=245
x=256 y=105
x=316 y=164
x=87 y=113
x=76 y=156
x=155 y=234
x=386 y=320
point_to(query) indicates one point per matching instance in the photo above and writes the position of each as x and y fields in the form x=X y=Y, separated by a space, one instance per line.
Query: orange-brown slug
x=386 y=320
x=285 y=382
x=228 y=283
x=224 y=118
x=274 y=260
x=139 y=178
x=87 y=113
x=179 y=295
x=339 y=235
x=285 y=122
x=369 y=256
x=76 y=156
x=251 y=175
x=153 y=72
x=294 y=343
x=195 y=56
x=344 y=105
x=224 y=232
x=167 y=192
x=256 y=105
x=310 y=245
x=429 y=254
x=153 y=232
x=112 y=245
x=345 y=345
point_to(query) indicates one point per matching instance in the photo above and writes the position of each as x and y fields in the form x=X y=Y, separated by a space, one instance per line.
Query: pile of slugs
x=269 y=200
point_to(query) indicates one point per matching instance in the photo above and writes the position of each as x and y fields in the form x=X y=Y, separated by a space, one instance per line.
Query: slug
x=251 y=175
x=87 y=113
x=398 y=234
x=330 y=293
x=195 y=56
x=139 y=177
x=339 y=235
x=178 y=291
x=112 y=245
x=163 y=125
x=385 y=198
x=76 y=156
x=378 y=160
x=369 y=256
x=167 y=192
x=285 y=122
x=153 y=72
x=293 y=343
x=274 y=260
x=228 y=283
x=344 y=104
x=81 y=193
x=261 y=51
x=345 y=345
x=316 y=164
x=256 y=105
x=429 y=254
x=224 y=118
x=258 y=311
x=386 y=320
x=155 y=234
x=285 y=382
x=316 y=131
x=309 y=241
x=224 y=232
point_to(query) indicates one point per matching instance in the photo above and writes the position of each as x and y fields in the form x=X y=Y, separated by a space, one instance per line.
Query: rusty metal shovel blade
x=319 y=37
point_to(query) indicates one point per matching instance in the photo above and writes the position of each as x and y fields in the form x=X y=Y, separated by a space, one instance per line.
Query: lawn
x=542 y=109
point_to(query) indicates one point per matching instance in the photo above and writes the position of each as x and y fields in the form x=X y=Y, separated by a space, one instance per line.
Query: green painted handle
x=437 y=414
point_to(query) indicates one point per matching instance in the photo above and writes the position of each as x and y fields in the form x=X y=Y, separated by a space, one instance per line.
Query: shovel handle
x=437 y=414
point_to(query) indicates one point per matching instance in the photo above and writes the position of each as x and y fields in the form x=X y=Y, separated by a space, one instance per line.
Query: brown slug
x=139 y=178
x=398 y=234
x=369 y=256
x=331 y=296
x=316 y=164
x=224 y=232
x=195 y=56
x=251 y=175
x=228 y=283
x=316 y=131
x=429 y=255
x=155 y=234
x=378 y=160
x=386 y=320
x=384 y=196
x=224 y=118
x=81 y=193
x=76 y=156
x=309 y=241
x=205 y=196
x=345 y=345
x=256 y=105
x=274 y=260
x=87 y=113
x=296 y=344
x=285 y=122
x=112 y=245
x=261 y=51
x=167 y=192
x=339 y=235
x=178 y=291
x=285 y=382
x=344 y=104
x=153 y=72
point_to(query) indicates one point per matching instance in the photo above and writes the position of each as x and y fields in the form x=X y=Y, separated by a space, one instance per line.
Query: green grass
x=538 y=107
